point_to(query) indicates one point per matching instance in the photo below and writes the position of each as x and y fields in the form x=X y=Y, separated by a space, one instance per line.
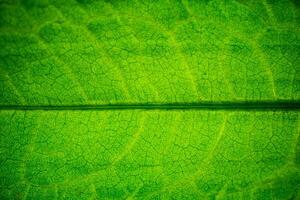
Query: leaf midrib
x=237 y=105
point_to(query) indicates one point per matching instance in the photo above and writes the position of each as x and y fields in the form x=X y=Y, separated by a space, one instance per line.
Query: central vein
x=253 y=105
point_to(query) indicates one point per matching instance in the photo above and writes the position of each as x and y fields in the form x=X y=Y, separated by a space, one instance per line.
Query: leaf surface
x=149 y=99
x=150 y=154
x=96 y=52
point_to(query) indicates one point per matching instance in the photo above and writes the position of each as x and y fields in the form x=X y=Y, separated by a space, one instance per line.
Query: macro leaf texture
x=177 y=99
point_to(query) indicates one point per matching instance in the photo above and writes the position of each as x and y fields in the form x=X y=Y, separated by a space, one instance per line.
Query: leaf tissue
x=132 y=99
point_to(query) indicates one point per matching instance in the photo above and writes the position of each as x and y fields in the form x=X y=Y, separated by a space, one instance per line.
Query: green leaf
x=95 y=52
x=177 y=99
x=149 y=154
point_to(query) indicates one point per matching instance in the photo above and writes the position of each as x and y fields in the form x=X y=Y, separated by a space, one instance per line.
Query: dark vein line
x=249 y=105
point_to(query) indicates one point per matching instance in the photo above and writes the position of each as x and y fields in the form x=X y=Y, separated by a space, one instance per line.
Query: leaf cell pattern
x=104 y=52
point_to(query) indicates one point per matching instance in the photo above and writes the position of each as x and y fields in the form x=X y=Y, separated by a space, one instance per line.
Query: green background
x=70 y=54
